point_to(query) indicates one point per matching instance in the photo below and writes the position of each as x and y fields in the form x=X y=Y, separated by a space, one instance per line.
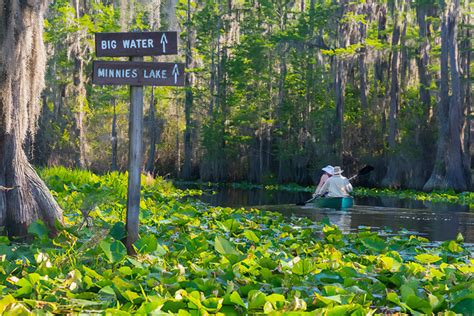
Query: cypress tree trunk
x=188 y=102
x=79 y=91
x=455 y=168
x=152 y=131
x=448 y=171
x=424 y=140
x=393 y=177
x=24 y=196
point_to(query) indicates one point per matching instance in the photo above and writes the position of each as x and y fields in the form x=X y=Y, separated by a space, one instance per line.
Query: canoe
x=334 y=202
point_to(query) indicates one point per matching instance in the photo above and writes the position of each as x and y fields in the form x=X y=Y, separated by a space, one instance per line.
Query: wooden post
x=137 y=74
x=135 y=155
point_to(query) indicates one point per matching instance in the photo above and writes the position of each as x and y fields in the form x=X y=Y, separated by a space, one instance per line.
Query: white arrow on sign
x=164 y=41
x=175 y=73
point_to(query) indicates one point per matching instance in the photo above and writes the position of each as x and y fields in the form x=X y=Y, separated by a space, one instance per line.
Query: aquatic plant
x=194 y=259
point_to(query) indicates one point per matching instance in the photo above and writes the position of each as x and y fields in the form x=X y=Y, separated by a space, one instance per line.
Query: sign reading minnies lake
x=125 y=44
x=138 y=73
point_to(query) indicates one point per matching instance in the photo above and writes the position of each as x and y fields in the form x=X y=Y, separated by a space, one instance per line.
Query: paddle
x=311 y=199
x=361 y=172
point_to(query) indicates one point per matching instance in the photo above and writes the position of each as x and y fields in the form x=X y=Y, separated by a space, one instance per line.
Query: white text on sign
x=132 y=43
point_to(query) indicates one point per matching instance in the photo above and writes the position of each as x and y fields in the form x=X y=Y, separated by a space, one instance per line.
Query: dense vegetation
x=197 y=260
x=285 y=86
x=274 y=90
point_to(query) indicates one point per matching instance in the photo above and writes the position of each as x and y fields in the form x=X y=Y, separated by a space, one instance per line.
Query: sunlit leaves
x=115 y=251
x=427 y=258
x=235 y=261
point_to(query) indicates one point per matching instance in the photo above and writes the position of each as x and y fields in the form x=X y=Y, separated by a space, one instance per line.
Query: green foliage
x=465 y=198
x=196 y=259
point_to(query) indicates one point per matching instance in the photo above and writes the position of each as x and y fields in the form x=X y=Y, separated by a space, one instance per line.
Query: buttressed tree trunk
x=24 y=197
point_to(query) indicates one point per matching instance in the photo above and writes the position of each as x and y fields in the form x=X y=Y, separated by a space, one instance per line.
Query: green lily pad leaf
x=465 y=306
x=115 y=311
x=236 y=299
x=406 y=292
x=147 y=244
x=268 y=263
x=268 y=308
x=374 y=243
x=327 y=276
x=194 y=300
x=115 y=252
x=5 y=302
x=38 y=229
x=224 y=247
x=118 y=231
x=331 y=290
x=174 y=306
x=212 y=304
x=303 y=267
x=126 y=271
x=276 y=300
x=250 y=235
x=256 y=299
x=419 y=304
x=25 y=288
x=454 y=247
x=4 y=240
x=107 y=291
x=349 y=309
x=92 y=273
x=131 y=296
x=230 y=311
x=393 y=297
x=427 y=258
x=435 y=302
x=232 y=225
x=6 y=251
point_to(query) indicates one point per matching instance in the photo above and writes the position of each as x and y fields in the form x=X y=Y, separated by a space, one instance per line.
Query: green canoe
x=334 y=202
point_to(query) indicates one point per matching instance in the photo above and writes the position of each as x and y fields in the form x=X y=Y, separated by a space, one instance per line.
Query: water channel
x=435 y=221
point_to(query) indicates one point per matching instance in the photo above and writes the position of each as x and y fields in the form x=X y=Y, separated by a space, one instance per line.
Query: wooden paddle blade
x=365 y=170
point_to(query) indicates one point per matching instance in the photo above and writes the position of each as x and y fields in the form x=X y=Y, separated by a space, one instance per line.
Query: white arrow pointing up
x=175 y=73
x=164 y=41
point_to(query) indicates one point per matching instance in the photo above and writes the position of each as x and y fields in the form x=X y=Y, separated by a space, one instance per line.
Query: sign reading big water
x=126 y=44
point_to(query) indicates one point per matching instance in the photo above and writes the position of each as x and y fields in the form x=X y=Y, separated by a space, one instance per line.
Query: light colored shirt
x=337 y=186
x=323 y=180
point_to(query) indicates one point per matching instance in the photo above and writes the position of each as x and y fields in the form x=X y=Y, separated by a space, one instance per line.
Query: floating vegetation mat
x=194 y=259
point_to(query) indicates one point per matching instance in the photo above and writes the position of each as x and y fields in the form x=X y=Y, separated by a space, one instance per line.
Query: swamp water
x=435 y=221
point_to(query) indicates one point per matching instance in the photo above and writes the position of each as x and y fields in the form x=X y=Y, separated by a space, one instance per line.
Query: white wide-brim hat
x=329 y=169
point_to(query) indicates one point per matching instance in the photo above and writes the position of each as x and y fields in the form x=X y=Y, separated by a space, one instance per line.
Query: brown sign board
x=124 y=44
x=138 y=73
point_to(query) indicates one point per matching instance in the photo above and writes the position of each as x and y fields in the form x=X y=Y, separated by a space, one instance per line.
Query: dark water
x=435 y=221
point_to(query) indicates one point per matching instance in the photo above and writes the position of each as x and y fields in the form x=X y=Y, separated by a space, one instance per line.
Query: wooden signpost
x=137 y=74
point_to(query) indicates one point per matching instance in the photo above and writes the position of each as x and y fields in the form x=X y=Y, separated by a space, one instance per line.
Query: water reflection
x=436 y=221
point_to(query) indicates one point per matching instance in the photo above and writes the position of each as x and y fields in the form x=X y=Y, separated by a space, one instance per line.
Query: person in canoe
x=337 y=185
x=327 y=173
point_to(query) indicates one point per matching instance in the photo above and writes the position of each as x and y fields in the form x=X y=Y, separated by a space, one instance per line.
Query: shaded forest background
x=274 y=90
